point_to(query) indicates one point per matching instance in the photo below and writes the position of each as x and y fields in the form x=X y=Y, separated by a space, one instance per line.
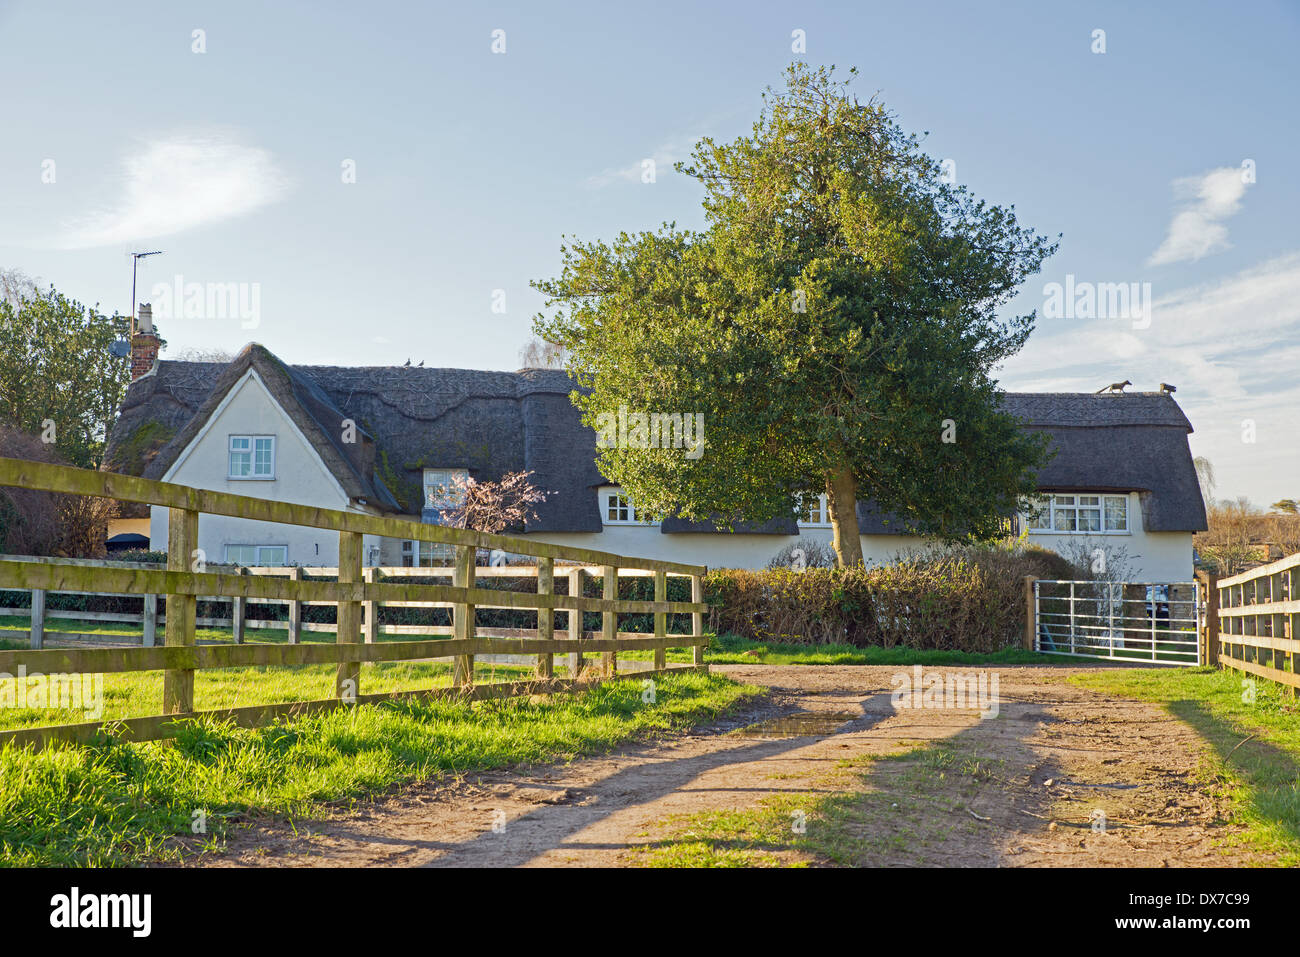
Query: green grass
x=1254 y=747
x=850 y=827
x=271 y=636
x=119 y=803
x=723 y=649
x=138 y=694
x=734 y=650
x=749 y=838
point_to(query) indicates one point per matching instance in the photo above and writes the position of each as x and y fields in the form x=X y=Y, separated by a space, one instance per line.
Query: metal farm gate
x=1125 y=621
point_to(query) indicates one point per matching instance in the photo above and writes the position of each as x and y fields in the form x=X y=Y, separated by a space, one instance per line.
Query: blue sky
x=471 y=164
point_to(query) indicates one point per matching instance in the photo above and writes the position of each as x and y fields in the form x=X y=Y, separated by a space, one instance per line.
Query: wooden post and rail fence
x=1257 y=622
x=353 y=593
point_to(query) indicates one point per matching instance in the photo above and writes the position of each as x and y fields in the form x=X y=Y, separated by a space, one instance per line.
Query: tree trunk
x=842 y=499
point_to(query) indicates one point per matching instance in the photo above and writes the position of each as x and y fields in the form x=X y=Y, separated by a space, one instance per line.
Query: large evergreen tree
x=835 y=323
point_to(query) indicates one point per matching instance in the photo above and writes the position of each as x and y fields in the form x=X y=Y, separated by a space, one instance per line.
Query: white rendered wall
x=300 y=477
x=1151 y=556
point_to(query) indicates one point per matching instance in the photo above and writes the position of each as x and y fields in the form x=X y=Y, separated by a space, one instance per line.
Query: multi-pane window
x=252 y=457
x=816 y=513
x=257 y=556
x=1116 y=513
x=618 y=509
x=1078 y=514
x=426 y=554
x=444 y=488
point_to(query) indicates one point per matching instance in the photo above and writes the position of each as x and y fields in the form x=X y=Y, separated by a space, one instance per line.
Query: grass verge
x=120 y=803
x=860 y=824
x=734 y=650
x=135 y=694
x=724 y=649
x=1253 y=730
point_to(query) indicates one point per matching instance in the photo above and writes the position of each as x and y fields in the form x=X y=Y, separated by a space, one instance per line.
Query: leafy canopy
x=835 y=322
x=55 y=367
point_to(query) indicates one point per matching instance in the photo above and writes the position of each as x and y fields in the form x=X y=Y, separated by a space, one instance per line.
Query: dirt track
x=1058 y=755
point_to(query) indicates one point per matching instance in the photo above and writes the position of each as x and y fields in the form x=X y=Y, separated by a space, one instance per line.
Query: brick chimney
x=144 y=344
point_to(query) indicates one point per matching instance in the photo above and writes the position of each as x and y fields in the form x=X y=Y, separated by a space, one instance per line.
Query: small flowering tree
x=492 y=507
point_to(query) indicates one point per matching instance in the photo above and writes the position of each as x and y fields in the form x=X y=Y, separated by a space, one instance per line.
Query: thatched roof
x=490 y=423
x=1113 y=442
x=1120 y=443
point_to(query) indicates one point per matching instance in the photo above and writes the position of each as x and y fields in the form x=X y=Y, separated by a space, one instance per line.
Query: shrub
x=969 y=599
x=805 y=553
x=34 y=522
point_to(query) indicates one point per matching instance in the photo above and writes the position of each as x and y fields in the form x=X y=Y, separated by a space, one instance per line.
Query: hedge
x=968 y=600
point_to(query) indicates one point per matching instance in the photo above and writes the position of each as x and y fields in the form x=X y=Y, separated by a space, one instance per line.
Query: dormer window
x=617 y=509
x=1078 y=514
x=815 y=514
x=444 y=488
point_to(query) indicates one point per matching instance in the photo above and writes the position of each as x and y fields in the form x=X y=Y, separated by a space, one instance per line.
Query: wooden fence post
x=238 y=613
x=697 y=620
x=463 y=614
x=1030 y=613
x=545 y=616
x=149 y=621
x=661 y=619
x=575 y=623
x=348 y=629
x=295 y=609
x=1210 y=582
x=182 y=540
x=371 y=575
x=609 y=620
x=38 y=618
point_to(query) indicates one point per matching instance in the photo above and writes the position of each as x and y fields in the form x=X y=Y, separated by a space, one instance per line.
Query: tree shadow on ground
x=1269 y=774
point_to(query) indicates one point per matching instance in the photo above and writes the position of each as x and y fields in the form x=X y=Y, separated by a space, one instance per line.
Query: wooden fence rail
x=1259 y=617
x=354 y=591
x=148 y=618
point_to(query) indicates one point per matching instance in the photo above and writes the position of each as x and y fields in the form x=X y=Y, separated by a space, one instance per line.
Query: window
x=1116 y=513
x=436 y=553
x=1079 y=514
x=252 y=457
x=617 y=509
x=426 y=554
x=257 y=556
x=444 y=488
x=816 y=515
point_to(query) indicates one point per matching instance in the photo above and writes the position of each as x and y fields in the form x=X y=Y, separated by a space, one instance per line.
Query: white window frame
x=1060 y=509
x=605 y=493
x=444 y=477
x=821 y=508
x=251 y=451
x=257 y=554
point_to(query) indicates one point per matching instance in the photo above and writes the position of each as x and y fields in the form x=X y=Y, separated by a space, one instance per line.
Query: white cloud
x=664 y=157
x=1196 y=229
x=1231 y=346
x=179 y=182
